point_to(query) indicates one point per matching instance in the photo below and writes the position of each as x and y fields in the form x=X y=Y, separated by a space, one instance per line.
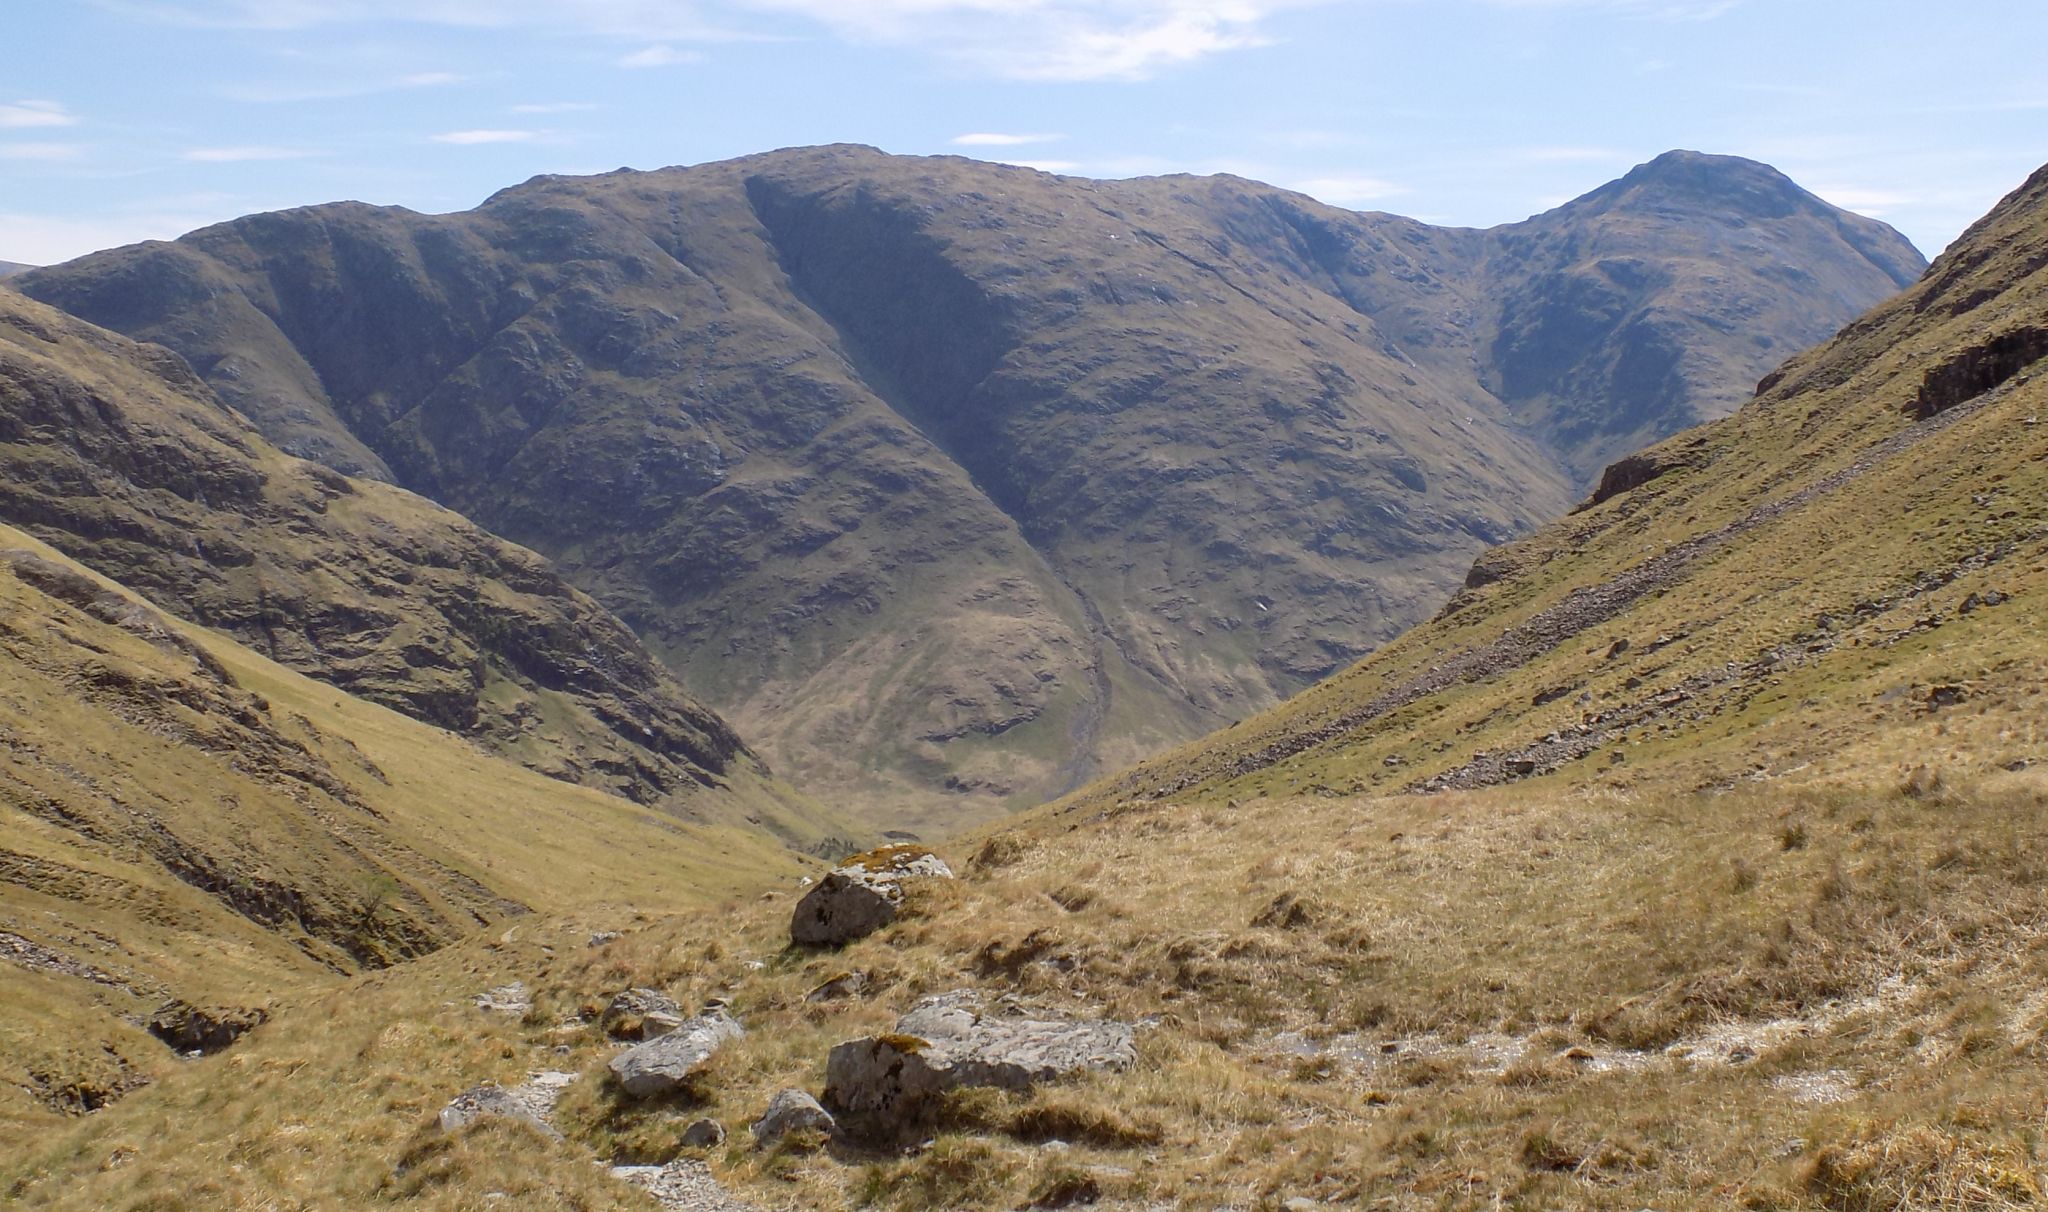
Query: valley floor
x=1818 y=994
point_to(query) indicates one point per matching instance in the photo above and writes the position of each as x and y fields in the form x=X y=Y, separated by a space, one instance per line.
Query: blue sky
x=130 y=119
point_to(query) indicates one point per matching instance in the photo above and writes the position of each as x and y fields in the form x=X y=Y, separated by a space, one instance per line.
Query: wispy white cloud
x=431 y=79
x=661 y=54
x=554 y=107
x=42 y=152
x=1347 y=191
x=470 y=138
x=24 y=114
x=1018 y=39
x=237 y=155
x=991 y=139
x=1875 y=203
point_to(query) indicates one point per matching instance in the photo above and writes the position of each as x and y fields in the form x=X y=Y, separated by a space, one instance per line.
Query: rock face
x=861 y=896
x=188 y=1028
x=946 y=1043
x=641 y=1014
x=667 y=1064
x=791 y=1111
x=953 y=484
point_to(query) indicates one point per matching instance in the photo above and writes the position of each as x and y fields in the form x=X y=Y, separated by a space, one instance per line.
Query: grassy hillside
x=183 y=819
x=117 y=455
x=953 y=484
x=1786 y=953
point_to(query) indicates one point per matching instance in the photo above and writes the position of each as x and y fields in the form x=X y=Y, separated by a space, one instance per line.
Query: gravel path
x=684 y=1185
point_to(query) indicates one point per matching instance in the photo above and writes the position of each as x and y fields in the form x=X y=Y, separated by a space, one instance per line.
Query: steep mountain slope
x=115 y=454
x=951 y=483
x=10 y=268
x=182 y=821
x=1859 y=551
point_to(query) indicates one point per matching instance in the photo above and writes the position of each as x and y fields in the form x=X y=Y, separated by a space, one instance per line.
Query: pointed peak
x=1696 y=180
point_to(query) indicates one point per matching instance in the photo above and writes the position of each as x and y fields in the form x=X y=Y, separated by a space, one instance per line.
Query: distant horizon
x=141 y=119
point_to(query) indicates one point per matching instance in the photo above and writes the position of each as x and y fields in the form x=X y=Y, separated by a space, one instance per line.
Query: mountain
x=10 y=268
x=1785 y=954
x=116 y=454
x=190 y=832
x=952 y=484
x=1854 y=557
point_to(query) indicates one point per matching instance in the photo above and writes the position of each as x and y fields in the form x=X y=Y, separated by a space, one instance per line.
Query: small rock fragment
x=704 y=1134
x=506 y=999
x=640 y=1014
x=791 y=1111
x=839 y=988
x=602 y=937
x=487 y=1102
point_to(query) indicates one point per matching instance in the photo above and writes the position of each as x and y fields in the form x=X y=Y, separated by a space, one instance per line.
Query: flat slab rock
x=668 y=1063
x=861 y=896
x=946 y=1043
x=533 y=1102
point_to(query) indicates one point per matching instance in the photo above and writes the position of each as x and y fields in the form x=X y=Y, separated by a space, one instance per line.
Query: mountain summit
x=954 y=484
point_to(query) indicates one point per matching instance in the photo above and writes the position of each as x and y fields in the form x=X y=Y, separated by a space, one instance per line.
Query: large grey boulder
x=641 y=1014
x=946 y=1043
x=791 y=1111
x=668 y=1063
x=861 y=896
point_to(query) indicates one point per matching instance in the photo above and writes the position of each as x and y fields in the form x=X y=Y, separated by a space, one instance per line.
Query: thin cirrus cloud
x=1347 y=192
x=21 y=115
x=994 y=139
x=473 y=138
x=47 y=153
x=661 y=55
x=554 y=107
x=241 y=155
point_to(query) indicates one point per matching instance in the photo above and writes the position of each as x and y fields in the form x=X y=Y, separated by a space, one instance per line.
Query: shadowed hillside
x=954 y=484
x=114 y=453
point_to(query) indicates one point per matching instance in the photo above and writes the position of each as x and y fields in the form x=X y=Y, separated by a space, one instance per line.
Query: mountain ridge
x=954 y=484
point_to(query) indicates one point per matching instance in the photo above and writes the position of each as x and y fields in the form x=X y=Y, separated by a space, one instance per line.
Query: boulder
x=668 y=1063
x=704 y=1134
x=791 y=1111
x=640 y=1014
x=945 y=1043
x=861 y=896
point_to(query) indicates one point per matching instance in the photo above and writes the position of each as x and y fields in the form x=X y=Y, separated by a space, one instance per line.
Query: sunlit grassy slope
x=180 y=818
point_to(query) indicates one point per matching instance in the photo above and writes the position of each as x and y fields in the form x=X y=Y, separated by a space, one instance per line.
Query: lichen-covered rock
x=945 y=1043
x=641 y=1014
x=791 y=1111
x=668 y=1063
x=861 y=896
x=514 y=998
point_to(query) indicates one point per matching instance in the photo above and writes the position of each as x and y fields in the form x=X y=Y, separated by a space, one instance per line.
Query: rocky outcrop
x=494 y=1102
x=887 y=1081
x=861 y=896
x=791 y=1111
x=669 y=1063
x=187 y=1028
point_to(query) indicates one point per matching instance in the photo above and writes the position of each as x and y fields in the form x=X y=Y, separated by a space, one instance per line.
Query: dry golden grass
x=1566 y=980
